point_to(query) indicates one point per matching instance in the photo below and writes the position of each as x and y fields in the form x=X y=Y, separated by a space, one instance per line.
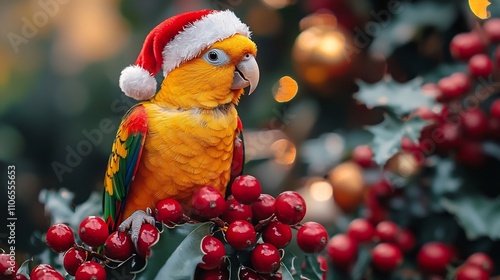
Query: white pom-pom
x=137 y=82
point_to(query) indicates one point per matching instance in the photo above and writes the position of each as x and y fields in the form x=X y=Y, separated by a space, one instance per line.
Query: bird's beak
x=246 y=74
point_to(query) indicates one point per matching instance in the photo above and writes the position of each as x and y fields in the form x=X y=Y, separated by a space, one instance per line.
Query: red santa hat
x=174 y=41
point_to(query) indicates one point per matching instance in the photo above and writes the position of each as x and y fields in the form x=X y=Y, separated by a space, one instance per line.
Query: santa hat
x=174 y=41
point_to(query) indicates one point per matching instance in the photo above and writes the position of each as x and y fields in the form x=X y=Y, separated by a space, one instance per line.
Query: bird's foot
x=135 y=221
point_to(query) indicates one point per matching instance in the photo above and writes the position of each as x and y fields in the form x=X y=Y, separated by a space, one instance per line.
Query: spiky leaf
x=477 y=214
x=399 y=98
x=388 y=135
x=177 y=253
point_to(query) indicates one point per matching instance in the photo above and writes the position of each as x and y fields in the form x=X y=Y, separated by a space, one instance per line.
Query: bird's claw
x=134 y=223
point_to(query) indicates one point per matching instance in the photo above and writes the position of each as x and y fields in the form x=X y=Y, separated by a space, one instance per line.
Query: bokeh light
x=321 y=190
x=285 y=90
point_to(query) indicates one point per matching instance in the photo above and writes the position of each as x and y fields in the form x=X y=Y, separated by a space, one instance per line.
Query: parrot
x=186 y=136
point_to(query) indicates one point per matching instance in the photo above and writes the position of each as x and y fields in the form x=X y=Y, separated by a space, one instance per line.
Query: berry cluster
x=467 y=116
x=248 y=221
x=389 y=244
x=245 y=216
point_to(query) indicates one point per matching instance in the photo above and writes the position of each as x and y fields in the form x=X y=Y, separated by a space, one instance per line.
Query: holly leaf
x=387 y=136
x=311 y=269
x=177 y=253
x=477 y=214
x=362 y=263
x=444 y=70
x=446 y=179
x=399 y=98
x=289 y=267
x=402 y=23
x=62 y=210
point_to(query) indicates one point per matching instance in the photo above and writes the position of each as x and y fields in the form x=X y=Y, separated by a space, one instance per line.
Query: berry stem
x=219 y=222
x=91 y=253
x=263 y=223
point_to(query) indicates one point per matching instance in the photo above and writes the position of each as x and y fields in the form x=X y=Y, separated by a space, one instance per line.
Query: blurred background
x=60 y=61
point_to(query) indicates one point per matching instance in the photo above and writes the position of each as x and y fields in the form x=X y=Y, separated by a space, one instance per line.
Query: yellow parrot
x=183 y=137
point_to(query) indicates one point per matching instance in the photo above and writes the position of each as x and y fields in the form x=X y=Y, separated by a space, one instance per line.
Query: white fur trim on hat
x=199 y=35
x=137 y=82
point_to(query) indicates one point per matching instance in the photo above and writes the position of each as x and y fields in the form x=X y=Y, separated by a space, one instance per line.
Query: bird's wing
x=123 y=162
x=238 y=155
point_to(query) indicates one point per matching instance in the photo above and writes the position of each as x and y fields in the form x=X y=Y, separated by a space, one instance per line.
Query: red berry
x=464 y=45
x=482 y=261
x=496 y=56
x=208 y=202
x=312 y=237
x=246 y=189
x=405 y=240
x=263 y=207
x=361 y=230
x=236 y=211
x=60 y=238
x=386 y=257
x=148 y=235
x=495 y=109
x=213 y=251
x=433 y=257
x=290 y=207
x=492 y=29
x=93 y=231
x=265 y=258
x=72 y=260
x=8 y=266
x=220 y=273
x=118 y=246
x=447 y=137
x=408 y=145
x=471 y=272
x=168 y=211
x=240 y=235
x=90 y=270
x=362 y=155
x=426 y=113
x=246 y=273
x=474 y=123
x=386 y=231
x=470 y=153
x=342 y=250
x=494 y=129
x=323 y=264
x=278 y=234
x=45 y=272
x=480 y=65
x=453 y=86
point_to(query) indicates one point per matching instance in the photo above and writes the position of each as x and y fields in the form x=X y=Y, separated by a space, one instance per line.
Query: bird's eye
x=216 y=57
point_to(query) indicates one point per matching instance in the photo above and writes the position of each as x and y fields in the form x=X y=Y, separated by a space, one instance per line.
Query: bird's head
x=216 y=77
x=207 y=59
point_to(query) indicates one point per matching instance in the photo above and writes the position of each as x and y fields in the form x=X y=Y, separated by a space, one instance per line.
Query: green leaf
x=402 y=23
x=290 y=266
x=311 y=270
x=477 y=214
x=388 y=135
x=362 y=263
x=177 y=253
x=399 y=98
x=447 y=179
x=26 y=267
x=444 y=70
x=61 y=207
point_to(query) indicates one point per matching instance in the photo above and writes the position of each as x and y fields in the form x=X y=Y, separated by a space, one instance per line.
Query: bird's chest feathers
x=194 y=146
